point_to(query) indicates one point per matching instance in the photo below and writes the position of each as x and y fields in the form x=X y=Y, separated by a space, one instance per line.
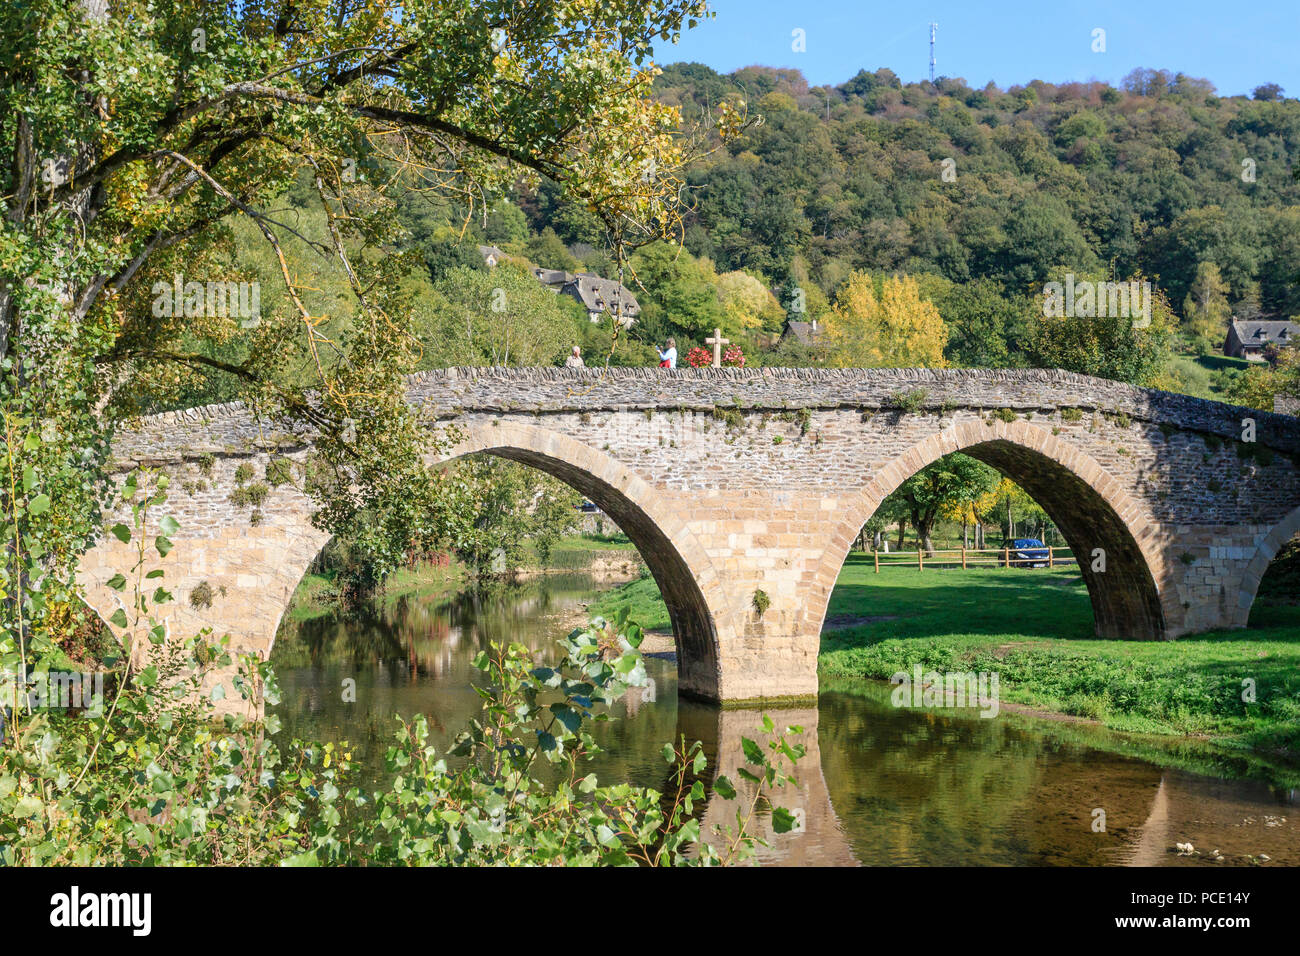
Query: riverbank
x=1034 y=629
x=610 y=559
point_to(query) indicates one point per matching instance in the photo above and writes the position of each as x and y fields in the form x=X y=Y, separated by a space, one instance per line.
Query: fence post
x=1049 y=557
x=875 y=553
x=963 y=557
x=919 y=553
x=1006 y=557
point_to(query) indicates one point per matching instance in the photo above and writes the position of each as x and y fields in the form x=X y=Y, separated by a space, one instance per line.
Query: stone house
x=599 y=296
x=491 y=255
x=1247 y=338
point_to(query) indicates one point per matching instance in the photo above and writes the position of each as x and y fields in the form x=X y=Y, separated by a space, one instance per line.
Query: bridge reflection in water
x=878 y=785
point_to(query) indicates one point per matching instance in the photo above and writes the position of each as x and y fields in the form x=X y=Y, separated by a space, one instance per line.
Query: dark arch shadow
x=1125 y=599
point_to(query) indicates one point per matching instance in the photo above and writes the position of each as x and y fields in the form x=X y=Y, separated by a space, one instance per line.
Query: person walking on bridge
x=668 y=356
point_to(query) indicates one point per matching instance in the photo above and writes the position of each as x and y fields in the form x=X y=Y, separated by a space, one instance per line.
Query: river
x=880 y=785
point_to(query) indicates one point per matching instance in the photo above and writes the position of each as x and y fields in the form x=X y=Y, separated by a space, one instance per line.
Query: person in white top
x=668 y=356
x=575 y=359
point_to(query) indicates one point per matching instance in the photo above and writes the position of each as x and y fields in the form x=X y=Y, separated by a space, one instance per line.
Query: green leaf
x=724 y=788
x=163 y=545
x=168 y=525
x=121 y=532
x=308 y=858
x=119 y=618
x=39 y=505
x=701 y=762
x=753 y=752
x=117 y=582
x=783 y=821
x=28 y=807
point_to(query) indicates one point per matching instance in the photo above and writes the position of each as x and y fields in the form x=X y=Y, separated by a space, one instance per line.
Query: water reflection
x=878 y=785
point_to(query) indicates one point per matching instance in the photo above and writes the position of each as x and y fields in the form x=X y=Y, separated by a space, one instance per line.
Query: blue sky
x=1236 y=44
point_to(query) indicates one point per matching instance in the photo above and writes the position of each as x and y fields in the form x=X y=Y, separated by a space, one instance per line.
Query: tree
x=1012 y=502
x=893 y=329
x=1206 y=310
x=985 y=323
x=500 y=316
x=500 y=506
x=676 y=292
x=441 y=256
x=135 y=133
x=747 y=303
x=549 y=252
x=955 y=479
x=1123 y=348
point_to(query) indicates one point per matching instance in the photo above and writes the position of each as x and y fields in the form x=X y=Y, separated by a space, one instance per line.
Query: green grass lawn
x=594 y=542
x=1196 y=372
x=641 y=597
x=1034 y=628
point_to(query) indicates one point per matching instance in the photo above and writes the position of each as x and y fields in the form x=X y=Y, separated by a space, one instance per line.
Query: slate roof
x=553 y=277
x=491 y=251
x=602 y=295
x=1260 y=332
x=807 y=333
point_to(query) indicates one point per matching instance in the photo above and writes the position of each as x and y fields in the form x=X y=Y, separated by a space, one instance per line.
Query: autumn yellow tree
x=884 y=326
x=747 y=302
x=1206 y=310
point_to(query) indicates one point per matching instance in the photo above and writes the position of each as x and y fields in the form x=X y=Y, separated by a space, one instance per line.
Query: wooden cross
x=717 y=341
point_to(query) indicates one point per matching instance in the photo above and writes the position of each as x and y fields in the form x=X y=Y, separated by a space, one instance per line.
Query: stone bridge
x=733 y=481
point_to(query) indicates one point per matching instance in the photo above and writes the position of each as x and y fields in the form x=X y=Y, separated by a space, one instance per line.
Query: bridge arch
x=691 y=587
x=1136 y=597
x=1253 y=575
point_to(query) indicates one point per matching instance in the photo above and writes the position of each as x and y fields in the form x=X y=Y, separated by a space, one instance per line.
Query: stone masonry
x=733 y=481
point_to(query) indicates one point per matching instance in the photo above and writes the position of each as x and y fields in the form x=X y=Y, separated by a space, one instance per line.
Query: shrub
x=699 y=357
x=201 y=596
x=184 y=790
x=279 y=471
x=909 y=401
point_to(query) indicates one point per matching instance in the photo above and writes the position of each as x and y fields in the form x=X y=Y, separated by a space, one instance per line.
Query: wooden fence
x=972 y=558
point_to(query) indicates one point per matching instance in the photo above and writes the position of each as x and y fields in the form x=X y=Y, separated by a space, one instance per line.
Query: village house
x=599 y=296
x=805 y=333
x=553 y=279
x=491 y=255
x=1247 y=338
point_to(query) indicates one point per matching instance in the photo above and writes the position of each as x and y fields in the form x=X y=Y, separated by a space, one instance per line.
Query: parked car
x=1028 y=552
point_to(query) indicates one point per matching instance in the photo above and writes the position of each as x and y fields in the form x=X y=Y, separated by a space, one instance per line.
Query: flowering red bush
x=699 y=358
x=733 y=357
